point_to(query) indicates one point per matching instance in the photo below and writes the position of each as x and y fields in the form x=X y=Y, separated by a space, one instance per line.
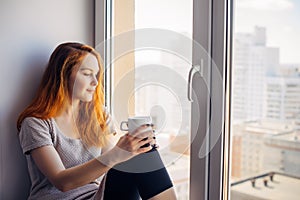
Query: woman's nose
x=94 y=81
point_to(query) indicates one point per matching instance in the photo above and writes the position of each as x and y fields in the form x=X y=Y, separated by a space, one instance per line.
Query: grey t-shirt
x=36 y=133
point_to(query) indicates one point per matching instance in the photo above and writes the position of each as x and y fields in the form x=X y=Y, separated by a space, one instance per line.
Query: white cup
x=134 y=122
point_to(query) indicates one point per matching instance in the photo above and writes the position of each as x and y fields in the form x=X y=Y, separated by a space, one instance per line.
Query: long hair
x=54 y=94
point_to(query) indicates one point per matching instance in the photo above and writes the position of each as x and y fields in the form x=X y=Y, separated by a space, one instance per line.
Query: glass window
x=265 y=100
x=153 y=81
x=162 y=94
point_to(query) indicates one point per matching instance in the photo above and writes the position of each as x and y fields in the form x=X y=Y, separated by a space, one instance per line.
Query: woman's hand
x=137 y=142
x=130 y=145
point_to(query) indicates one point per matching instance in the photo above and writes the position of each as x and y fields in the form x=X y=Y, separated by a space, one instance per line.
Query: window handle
x=193 y=70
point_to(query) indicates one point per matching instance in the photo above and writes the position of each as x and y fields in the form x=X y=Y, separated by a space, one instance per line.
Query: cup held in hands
x=135 y=122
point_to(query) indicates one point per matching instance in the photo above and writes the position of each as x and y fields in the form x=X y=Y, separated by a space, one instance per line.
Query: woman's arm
x=50 y=164
x=112 y=141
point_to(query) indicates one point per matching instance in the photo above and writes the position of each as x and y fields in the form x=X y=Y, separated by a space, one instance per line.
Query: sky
x=280 y=17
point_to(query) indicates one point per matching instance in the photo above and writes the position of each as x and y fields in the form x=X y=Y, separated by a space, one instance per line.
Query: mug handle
x=121 y=126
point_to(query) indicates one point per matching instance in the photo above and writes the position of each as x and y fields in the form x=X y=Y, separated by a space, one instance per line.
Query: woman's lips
x=91 y=91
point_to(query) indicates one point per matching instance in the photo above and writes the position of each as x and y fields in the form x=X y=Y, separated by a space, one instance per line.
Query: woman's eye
x=86 y=74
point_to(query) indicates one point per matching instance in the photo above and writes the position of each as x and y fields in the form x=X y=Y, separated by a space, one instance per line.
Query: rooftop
x=287 y=141
x=282 y=187
x=268 y=127
x=264 y=127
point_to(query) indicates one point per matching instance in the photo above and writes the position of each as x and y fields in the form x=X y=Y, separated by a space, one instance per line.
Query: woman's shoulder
x=35 y=132
x=36 y=122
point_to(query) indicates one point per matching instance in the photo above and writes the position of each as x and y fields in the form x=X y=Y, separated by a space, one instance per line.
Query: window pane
x=161 y=83
x=266 y=100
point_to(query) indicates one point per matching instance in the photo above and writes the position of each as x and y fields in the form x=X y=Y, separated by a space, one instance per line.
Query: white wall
x=29 y=32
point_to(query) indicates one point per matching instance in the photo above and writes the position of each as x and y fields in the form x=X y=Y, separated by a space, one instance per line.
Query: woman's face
x=85 y=80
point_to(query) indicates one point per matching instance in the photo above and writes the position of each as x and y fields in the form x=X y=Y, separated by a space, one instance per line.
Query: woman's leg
x=152 y=184
x=167 y=194
x=143 y=176
x=120 y=185
x=156 y=180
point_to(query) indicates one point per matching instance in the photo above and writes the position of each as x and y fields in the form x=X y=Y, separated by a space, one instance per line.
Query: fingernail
x=145 y=145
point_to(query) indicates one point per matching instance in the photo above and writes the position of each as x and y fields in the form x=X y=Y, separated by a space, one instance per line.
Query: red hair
x=53 y=94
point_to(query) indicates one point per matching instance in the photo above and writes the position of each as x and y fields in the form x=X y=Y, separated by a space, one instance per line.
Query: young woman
x=66 y=136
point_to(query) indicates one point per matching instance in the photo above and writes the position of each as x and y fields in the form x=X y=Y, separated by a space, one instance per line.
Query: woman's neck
x=66 y=121
x=70 y=111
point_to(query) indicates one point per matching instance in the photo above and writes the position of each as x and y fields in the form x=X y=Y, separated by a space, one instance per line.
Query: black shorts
x=144 y=176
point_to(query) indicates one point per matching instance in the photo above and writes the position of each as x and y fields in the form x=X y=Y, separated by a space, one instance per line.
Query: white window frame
x=103 y=33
